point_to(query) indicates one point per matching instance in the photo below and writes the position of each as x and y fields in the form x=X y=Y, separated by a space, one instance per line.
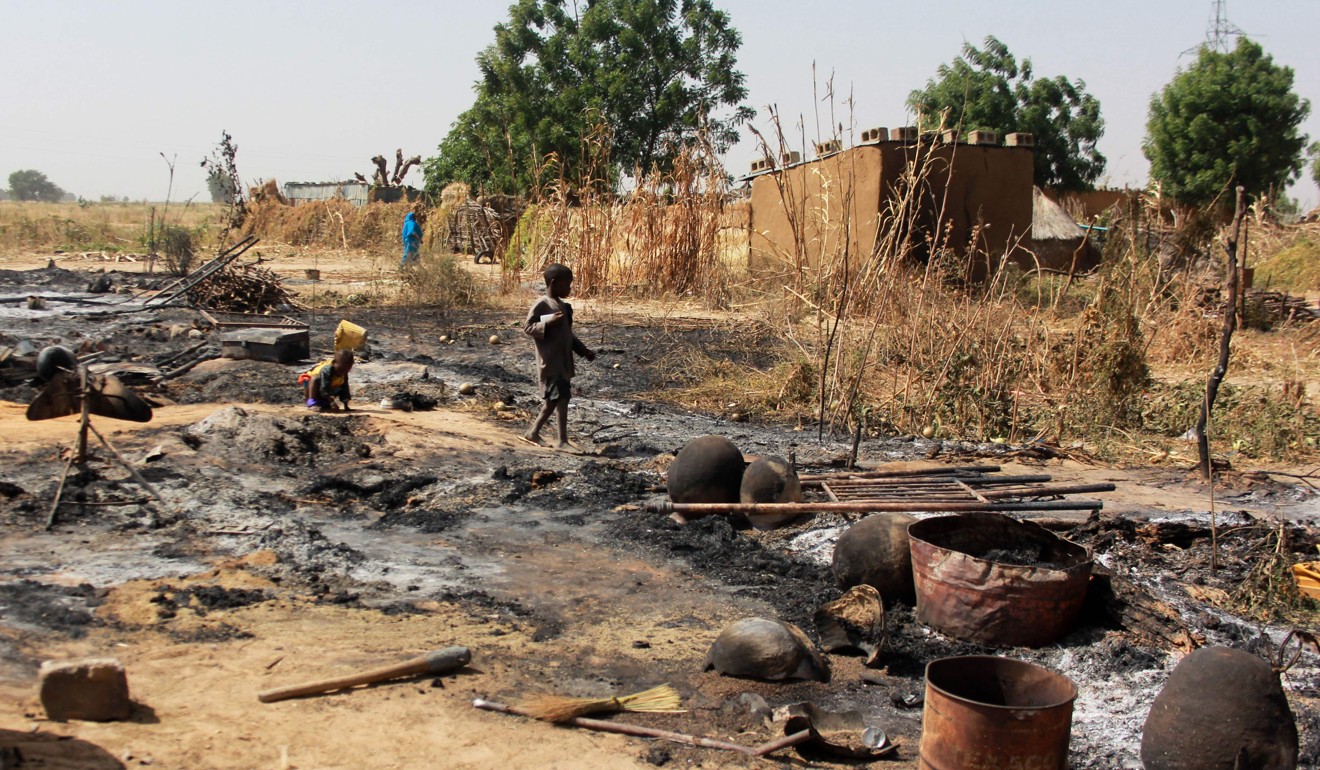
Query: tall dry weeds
x=662 y=239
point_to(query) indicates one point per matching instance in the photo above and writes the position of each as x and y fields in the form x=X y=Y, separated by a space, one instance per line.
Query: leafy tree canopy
x=987 y=88
x=650 y=73
x=31 y=185
x=1228 y=119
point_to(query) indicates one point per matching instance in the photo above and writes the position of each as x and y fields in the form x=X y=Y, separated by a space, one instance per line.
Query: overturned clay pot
x=770 y=480
x=875 y=552
x=707 y=470
x=1222 y=709
x=762 y=648
x=55 y=359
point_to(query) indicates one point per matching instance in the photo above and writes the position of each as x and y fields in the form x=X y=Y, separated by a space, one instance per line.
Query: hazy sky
x=93 y=92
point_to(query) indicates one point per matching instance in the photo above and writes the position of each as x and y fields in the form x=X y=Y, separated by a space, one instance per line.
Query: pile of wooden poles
x=241 y=289
x=1279 y=307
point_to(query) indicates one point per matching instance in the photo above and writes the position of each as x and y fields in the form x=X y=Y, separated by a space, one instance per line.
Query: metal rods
x=954 y=489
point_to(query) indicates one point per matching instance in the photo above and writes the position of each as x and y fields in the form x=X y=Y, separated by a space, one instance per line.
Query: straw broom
x=553 y=708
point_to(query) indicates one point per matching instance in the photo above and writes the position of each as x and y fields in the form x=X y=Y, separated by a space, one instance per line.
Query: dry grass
x=668 y=238
x=111 y=227
x=1285 y=258
x=905 y=345
x=373 y=228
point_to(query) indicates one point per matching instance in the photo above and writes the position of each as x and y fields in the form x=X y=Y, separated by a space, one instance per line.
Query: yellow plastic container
x=350 y=336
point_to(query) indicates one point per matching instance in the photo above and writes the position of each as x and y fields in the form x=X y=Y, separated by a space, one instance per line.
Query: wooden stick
x=83 y=423
x=161 y=364
x=59 y=490
x=185 y=367
x=108 y=503
x=432 y=663
x=131 y=470
x=1225 y=340
x=606 y=726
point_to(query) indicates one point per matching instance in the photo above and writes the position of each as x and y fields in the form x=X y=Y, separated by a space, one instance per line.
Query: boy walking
x=550 y=323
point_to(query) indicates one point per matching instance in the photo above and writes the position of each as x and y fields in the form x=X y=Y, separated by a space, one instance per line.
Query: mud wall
x=845 y=196
x=827 y=200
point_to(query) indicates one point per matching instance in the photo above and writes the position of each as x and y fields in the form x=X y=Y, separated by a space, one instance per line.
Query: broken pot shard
x=762 y=648
x=1222 y=709
x=839 y=732
x=107 y=397
x=58 y=399
x=111 y=398
x=854 y=621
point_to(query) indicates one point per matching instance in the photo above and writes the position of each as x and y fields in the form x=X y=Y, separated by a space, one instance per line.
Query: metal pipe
x=1064 y=489
x=897 y=473
x=914 y=506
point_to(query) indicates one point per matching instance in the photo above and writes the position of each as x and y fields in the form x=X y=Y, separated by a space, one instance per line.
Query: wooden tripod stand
x=79 y=457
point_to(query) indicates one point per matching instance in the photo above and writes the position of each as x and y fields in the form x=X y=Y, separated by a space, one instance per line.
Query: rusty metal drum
x=989 y=713
x=993 y=580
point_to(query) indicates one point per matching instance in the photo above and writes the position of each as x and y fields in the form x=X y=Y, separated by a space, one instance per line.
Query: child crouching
x=328 y=381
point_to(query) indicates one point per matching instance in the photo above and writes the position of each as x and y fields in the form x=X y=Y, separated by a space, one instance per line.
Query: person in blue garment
x=412 y=239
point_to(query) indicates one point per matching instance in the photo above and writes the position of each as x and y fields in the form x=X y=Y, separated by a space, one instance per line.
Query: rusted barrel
x=988 y=713
x=993 y=580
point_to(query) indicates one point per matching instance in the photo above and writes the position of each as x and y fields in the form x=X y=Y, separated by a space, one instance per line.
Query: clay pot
x=770 y=480
x=875 y=552
x=707 y=470
x=1222 y=709
x=762 y=648
x=53 y=359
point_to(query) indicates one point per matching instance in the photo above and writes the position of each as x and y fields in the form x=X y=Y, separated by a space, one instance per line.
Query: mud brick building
x=973 y=195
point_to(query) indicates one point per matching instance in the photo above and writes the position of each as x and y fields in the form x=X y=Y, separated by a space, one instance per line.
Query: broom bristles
x=553 y=708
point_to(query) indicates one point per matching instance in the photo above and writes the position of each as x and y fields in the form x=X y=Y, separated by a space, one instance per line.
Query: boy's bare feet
x=563 y=444
x=532 y=438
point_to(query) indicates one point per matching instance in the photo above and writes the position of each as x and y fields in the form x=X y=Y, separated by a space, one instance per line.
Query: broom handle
x=607 y=726
x=437 y=662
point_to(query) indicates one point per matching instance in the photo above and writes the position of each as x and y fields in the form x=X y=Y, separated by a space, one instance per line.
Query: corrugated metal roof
x=353 y=192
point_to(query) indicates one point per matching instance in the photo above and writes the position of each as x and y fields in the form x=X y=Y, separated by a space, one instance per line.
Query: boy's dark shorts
x=558 y=389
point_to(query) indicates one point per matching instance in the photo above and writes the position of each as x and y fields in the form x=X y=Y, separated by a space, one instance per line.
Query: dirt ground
x=295 y=546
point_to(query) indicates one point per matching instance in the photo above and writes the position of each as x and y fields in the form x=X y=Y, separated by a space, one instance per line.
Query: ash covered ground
x=396 y=513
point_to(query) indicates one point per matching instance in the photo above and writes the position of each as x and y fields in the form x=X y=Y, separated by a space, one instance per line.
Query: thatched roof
x=1049 y=221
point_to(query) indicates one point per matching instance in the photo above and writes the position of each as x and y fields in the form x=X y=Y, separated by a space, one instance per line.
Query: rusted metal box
x=281 y=346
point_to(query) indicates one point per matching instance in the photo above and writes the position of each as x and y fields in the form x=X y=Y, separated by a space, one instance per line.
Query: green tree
x=653 y=73
x=987 y=88
x=1228 y=119
x=30 y=185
